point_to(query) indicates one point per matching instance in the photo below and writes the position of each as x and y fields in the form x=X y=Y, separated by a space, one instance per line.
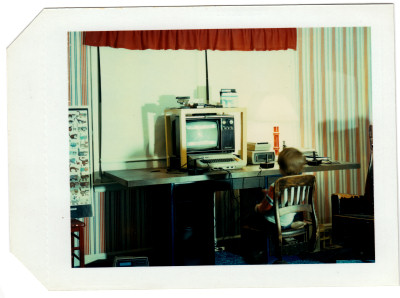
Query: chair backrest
x=294 y=194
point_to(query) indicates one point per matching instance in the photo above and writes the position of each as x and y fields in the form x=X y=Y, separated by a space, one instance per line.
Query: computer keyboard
x=217 y=160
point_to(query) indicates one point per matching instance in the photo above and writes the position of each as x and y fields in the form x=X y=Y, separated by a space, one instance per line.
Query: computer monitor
x=205 y=134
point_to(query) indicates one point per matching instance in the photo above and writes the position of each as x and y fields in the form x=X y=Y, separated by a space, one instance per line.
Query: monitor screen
x=201 y=135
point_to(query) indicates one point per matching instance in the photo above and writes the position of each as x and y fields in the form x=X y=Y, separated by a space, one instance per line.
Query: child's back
x=291 y=162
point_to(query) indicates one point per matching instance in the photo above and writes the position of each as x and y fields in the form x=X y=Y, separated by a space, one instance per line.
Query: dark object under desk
x=191 y=202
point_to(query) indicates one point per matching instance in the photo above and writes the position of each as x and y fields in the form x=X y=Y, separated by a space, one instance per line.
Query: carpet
x=322 y=257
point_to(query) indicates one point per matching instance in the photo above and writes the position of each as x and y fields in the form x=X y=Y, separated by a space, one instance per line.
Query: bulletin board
x=80 y=173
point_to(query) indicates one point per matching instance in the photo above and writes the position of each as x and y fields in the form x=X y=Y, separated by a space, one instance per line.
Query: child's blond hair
x=291 y=161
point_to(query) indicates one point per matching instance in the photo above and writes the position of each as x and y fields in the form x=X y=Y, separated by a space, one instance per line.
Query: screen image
x=201 y=135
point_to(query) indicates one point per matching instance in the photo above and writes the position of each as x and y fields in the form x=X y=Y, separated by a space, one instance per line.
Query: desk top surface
x=147 y=177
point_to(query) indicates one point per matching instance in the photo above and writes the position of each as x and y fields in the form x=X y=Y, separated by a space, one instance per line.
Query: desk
x=148 y=177
x=180 y=183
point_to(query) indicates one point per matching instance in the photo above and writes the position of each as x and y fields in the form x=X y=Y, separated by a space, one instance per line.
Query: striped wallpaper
x=335 y=105
x=117 y=223
x=80 y=82
x=79 y=71
x=334 y=92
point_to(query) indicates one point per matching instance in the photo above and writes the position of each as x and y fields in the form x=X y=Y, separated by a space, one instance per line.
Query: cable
x=207 y=85
x=99 y=110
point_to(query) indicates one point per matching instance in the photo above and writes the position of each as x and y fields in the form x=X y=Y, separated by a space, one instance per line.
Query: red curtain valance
x=203 y=39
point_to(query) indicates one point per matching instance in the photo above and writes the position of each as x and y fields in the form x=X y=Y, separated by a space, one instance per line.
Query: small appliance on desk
x=315 y=160
x=260 y=153
x=308 y=151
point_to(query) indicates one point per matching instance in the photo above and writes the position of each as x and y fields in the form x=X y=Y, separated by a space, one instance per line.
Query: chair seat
x=77 y=224
x=294 y=232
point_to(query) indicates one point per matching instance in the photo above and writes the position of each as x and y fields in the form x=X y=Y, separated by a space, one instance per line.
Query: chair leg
x=279 y=252
x=81 y=248
x=268 y=252
x=72 y=250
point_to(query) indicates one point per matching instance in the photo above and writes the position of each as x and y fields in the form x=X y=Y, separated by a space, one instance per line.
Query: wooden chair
x=77 y=233
x=261 y=239
x=295 y=194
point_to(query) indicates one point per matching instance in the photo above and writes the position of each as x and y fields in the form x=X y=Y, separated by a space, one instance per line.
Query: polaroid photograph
x=204 y=147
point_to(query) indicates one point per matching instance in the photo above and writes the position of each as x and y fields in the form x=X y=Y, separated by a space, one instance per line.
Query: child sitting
x=291 y=162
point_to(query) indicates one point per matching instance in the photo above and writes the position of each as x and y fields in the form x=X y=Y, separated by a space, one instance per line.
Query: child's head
x=291 y=161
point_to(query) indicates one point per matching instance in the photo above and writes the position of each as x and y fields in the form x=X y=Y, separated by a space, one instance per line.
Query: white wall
x=39 y=79
x=138 y=85
x=266 y=85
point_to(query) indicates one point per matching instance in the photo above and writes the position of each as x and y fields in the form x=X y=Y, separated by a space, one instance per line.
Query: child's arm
x=267 y=202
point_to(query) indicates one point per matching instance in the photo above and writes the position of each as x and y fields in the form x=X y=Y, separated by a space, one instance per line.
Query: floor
x=232 y=256
x=328 y=256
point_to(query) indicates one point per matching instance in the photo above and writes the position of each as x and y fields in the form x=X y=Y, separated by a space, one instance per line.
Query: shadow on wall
x=153 y=126
x=348 y=141
x=345 y=140
x=200 y=94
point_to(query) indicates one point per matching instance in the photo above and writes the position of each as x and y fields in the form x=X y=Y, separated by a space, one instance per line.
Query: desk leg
x=215 y=222
x=172 y=200
x=191 y=224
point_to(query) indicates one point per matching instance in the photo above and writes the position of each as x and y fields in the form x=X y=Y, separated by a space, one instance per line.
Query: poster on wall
x=80 y=174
